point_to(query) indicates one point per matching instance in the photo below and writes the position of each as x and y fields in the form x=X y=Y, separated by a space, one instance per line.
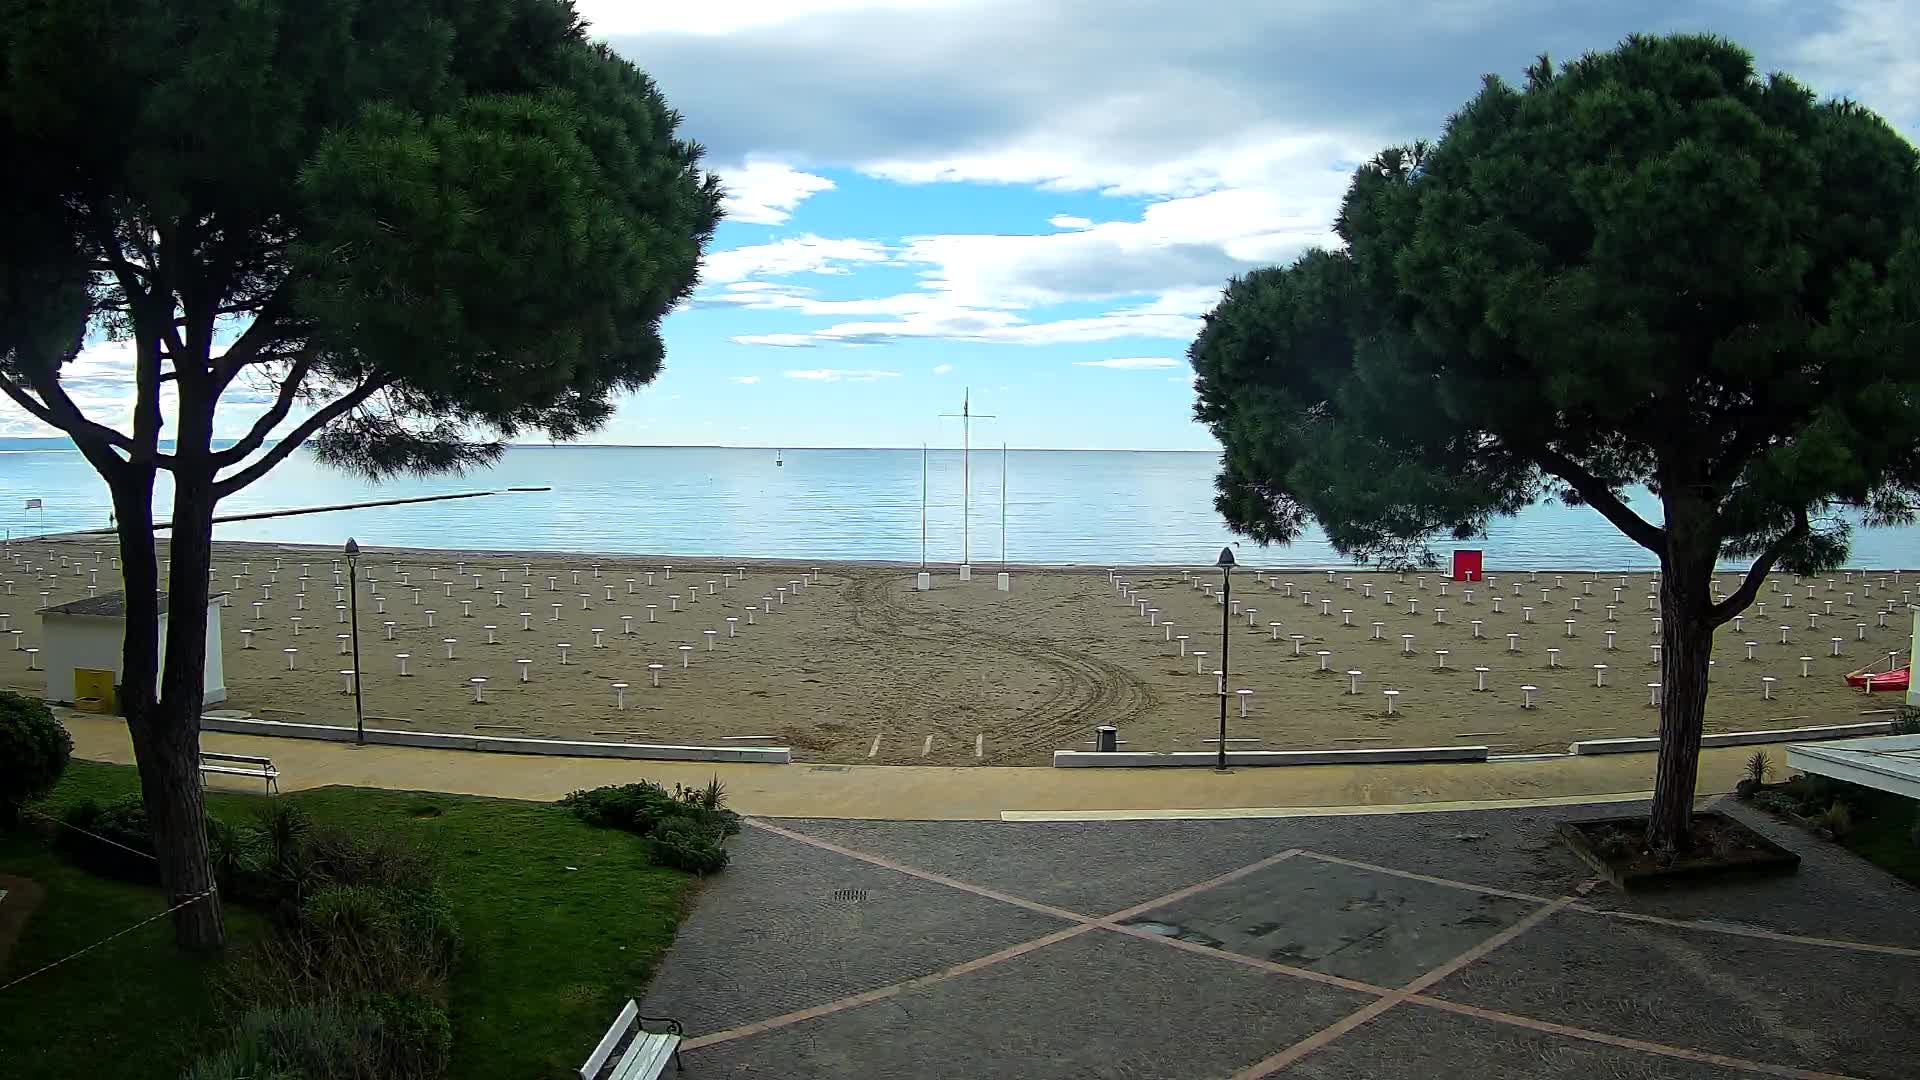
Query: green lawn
x=560 y=924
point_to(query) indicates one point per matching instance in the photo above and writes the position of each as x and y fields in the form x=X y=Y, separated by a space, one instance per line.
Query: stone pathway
x=1438 y=945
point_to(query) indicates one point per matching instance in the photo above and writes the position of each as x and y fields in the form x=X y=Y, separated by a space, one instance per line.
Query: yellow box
x=95 y=684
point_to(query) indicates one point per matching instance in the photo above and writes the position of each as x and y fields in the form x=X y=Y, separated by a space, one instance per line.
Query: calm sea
x=1097 y=507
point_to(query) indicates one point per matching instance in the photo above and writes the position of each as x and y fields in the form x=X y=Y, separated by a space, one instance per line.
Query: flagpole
x=1003 y=506
x=923 y=506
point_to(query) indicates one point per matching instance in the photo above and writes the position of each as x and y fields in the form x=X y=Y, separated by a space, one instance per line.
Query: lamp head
x=1225 y=561
x=353 y=549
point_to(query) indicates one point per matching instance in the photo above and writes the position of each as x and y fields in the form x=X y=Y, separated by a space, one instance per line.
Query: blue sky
x=1038 y=199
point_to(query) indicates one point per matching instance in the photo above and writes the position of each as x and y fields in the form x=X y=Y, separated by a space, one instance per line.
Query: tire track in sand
x=1088 y=691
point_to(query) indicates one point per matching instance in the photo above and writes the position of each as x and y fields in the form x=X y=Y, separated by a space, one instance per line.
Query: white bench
x=240 y=765
x=642 y=1054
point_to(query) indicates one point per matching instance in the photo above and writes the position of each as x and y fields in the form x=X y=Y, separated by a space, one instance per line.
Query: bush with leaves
x=34 y=750
x=685 y=829
x=383 y=1038
x=113 y=840
x=685 y=844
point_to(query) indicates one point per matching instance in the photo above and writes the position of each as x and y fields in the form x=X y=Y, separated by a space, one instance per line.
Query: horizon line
x=738 y=446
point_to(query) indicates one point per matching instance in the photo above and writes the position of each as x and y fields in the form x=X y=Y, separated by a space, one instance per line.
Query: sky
x=1034 y=201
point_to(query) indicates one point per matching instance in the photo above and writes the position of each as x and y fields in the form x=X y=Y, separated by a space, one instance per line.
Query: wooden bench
x=641 y=1054
x=240 y=765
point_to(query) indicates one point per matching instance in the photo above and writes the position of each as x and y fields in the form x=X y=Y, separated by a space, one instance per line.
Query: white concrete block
x=1081 y=759
x=1736 y=738
x=767 y=755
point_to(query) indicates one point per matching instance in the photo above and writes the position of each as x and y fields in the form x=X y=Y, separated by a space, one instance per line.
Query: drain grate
x=850 y=896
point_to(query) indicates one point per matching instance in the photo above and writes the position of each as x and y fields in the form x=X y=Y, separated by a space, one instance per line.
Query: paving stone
x=1374 y=927
x=1799 y=1005
x=1095 y=868
x=1413 y=1043
x=1096 y=1005
x=768 y=935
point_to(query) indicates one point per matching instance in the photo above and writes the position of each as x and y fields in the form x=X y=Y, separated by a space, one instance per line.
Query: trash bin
x=1106 y=739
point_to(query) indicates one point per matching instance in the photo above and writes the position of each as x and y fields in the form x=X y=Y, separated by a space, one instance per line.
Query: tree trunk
x=166 y=727
x=1686 y=640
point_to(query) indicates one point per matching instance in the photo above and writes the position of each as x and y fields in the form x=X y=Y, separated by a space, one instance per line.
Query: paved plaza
x=1424 y=946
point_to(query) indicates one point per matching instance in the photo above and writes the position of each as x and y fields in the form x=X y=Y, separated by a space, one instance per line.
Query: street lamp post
x=353 y=612
x=1226 y=607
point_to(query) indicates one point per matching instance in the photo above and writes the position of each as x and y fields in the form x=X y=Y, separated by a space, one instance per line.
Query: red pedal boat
x=1897 y=679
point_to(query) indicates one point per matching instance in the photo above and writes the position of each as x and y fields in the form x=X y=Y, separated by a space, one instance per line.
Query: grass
x=1881 y=833
x=135 y=1007
x=561 y=923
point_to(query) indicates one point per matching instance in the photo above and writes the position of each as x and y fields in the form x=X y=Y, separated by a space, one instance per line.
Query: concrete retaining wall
x=438 y=740
x=1736 y=738
x=1134 y=759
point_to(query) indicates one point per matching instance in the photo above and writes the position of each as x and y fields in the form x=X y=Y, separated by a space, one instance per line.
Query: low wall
x=499 y=744
x=1135 y=759
x=1736 y=738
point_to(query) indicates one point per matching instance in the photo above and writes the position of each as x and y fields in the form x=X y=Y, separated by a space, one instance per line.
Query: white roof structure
x=1885 y=762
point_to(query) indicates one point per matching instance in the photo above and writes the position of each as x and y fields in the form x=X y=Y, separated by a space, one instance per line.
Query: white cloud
x=1131 y=363
x=974 y=287
x=806 y=254
x=1870 y=49
x=625 y=17
x=766 y=192
x=841 y=375
x=100 y=382
x=1224 y=125
x=942 y=369
x=744 y=380
x=1188 y=243
x=952 y=323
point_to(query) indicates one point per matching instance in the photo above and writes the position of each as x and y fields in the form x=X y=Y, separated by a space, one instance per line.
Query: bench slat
x=628 y=1017
x=231 y=771
x=647 y=1058
x=208 y=755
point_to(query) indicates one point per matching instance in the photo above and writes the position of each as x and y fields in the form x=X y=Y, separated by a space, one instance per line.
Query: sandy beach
x=859 y=667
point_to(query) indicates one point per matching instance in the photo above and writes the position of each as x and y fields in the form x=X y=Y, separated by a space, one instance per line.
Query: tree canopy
x=431 y=224
x=400 y=232
x=1652 y=267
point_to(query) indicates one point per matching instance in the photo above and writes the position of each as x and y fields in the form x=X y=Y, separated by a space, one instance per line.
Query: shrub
x=1836 y=819
x=1759 y=767
x=34 y=750
x=1906 y=720
x=685 y=830
x=416 y=1036
x=372 y=938
x=685 y=844
x=290 y=858
x=635 y=808
x=385 y=1037
x=110 y=839
x=114 y=840
x=299 y=1042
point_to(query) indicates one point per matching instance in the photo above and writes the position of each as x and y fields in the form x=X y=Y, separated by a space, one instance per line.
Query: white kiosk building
x=82 y=641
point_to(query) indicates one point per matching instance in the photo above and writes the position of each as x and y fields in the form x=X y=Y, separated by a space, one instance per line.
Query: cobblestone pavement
x=1428 y=946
